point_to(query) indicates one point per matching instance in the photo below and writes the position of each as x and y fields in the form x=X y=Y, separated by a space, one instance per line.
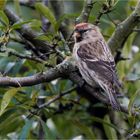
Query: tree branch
x=22 y=56
x=104 y=10
x=66 y=69
x=29 y=35
x=57 y=97
x=85 y=12
x=124 y=29
x=53 y=73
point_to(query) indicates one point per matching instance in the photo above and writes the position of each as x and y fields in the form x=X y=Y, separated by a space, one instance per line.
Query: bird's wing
x=96 y=58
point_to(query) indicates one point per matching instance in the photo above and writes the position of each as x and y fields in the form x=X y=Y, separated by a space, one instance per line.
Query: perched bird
x=95 y=61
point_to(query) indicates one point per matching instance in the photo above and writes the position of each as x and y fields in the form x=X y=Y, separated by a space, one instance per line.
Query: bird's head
x=83 y=30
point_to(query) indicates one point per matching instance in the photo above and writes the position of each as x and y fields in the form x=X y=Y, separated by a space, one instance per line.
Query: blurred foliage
x=70 y=117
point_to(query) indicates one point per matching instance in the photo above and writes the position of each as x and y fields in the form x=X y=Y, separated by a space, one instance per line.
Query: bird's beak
x=76 y=35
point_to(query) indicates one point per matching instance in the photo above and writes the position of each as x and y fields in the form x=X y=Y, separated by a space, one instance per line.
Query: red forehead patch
x=81 y=26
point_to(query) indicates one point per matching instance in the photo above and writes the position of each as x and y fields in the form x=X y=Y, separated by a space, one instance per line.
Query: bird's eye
x=81 y=31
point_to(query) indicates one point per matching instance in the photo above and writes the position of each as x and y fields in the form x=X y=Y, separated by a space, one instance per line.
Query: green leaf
x=131 y=102
x=131 y=120
x=3 y=18
x=7 y=98
x=96 y=119
x=11 y=120
x=2 y=27
x=84 y=129
x=45 y=11
x=26 y=129
x=116 y=2
x=17 y=7
x=4 y=54
x=45 y=37
x=62 y=18
x=2 y=4
x=48 y=133
x=135 y=59
x=58 y=23
x=52 y=59
x=35 y=24
x=18 y=25
x=109 y=131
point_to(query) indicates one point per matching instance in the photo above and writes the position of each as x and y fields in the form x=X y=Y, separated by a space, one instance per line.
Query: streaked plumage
x=95 y=61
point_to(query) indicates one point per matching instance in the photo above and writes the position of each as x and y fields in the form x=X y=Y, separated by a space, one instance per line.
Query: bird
x=95 y=60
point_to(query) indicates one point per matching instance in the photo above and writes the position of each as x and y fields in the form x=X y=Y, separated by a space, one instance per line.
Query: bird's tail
x=113 y=99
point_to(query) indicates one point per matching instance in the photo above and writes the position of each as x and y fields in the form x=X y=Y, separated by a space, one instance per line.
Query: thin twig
x=111 y=20
x=124 y=29
x=29 y=35
x=58 y=97
x=104 y=10
x=118 y=57
x=60 y=70
x=22 y=56
x=64 y=69
x=36 y=111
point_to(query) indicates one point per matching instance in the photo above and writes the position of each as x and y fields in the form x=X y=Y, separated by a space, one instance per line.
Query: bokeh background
x=72 y=116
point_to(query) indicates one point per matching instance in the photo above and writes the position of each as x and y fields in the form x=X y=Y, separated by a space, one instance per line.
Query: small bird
x=95 y=61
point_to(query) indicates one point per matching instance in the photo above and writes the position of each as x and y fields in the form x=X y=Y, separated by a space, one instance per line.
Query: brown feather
x=95 y=61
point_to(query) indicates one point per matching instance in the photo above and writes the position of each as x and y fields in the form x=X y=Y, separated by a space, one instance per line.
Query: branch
x=59 y=71
x=41 y=48
x=57 y=97
x=65 y=69
x=22 y=56
x=88 y=5
x=119 y=57
x=104 y=10
x=29 y=35
x=124 y=29
x=58 y=8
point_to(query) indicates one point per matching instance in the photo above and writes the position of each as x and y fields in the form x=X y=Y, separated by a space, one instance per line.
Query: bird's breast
x=75 y=49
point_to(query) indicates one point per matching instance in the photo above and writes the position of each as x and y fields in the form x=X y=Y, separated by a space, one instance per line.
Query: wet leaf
x=3 y=18
x=45 y=11
x=7 y=98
